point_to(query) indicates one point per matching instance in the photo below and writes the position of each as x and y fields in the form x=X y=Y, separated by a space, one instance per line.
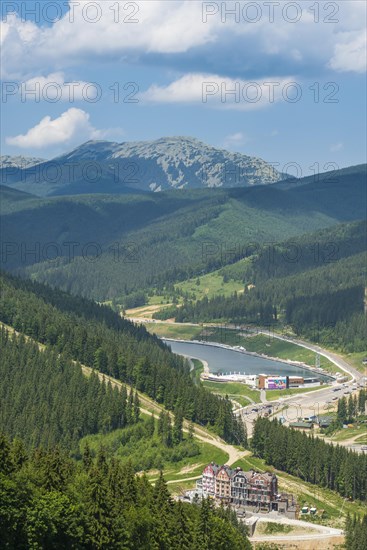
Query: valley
x=165 y=265
x=183 y=275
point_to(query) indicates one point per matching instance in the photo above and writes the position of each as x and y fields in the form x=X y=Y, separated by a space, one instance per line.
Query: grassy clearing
x=146 y=312
x=235 y=389
x=272 y=528
x=355 y=359
x=349 y=433
x=243 y=401
x=166 y=330
x=158 y=300
x=210 y=285
x=362 y=439
x=273 y=395
x=286 y=350
x=198 y=369
x=192 y=466
x=180 y=487
x=130 y=444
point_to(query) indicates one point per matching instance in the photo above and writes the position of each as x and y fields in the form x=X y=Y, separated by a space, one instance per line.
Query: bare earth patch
x=145 y=311
x=188 y=469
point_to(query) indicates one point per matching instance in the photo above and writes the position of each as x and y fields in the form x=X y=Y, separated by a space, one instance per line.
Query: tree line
x=118 y=349
x=349 y=409
x=356 y=533
x=50 y=501
x=47 y=400
x=311 y=459
x=323 y=305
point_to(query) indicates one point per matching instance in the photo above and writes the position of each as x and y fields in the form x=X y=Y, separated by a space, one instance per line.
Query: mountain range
x=108 y=167
x=104 y=246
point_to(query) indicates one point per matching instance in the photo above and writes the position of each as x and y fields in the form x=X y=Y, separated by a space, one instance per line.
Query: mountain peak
x=19 y=161
x=172 y=162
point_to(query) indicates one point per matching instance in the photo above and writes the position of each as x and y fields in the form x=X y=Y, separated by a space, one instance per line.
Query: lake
x=230 y=360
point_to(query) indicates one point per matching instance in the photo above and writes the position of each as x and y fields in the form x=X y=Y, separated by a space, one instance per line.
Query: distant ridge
x=8 y=161
x=163 y=164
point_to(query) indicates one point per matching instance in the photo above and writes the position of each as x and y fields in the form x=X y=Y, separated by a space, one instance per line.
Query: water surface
x=229 y=360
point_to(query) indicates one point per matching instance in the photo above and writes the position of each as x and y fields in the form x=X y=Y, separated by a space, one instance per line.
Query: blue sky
x=164 y=68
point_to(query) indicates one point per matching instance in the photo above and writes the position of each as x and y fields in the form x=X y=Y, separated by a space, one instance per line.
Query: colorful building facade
x=238 y=487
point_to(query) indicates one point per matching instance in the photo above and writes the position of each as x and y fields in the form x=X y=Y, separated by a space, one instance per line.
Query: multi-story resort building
x=239 y=487
x=208 y=479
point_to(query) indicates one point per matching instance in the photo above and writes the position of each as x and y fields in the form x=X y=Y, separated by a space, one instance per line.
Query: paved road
x=316 y=402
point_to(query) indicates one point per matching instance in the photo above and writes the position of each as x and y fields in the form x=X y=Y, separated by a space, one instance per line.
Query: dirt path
x=347 y=442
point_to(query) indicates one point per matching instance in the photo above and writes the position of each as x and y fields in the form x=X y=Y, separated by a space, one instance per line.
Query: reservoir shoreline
x=285 y=362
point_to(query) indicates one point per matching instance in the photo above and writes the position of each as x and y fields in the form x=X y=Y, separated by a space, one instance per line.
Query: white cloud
x=238 y=136
x=177 y=27
x=336 y=147
x=221 y=92
x=350 y=55
x=160 y=27
x=73 y=126
x=54 y=88
x=236 y=140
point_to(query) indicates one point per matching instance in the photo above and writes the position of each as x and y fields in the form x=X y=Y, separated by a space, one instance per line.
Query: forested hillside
x=311 y=458
x=49 y=501
x=57 y=492
x=117 y=348
x=315 y=283
x=107 y=247
x=47 y=400
x=356 y=533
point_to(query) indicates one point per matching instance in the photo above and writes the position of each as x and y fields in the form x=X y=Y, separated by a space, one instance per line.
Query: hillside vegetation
x=50 y=501
x=115 y=347
x=314 y=283
x=107 y=247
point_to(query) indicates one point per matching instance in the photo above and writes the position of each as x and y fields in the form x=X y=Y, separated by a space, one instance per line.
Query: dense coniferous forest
x=349 y=409
x=47 y=400
x=311 y=459
x=142 y=241
x=356 y=533
x=314 y=283
x=133 y=357
x=49 y=501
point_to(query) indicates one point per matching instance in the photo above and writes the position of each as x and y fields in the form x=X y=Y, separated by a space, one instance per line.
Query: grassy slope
x=198 y=369
x=349 y=433
x=355 y=359
x=234 y=390
x=210 y=285
x=187 y=467
x=273 y=395
x=183 y=332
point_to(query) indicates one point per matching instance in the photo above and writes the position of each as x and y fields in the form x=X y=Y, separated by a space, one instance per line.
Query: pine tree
x=102 y=529
x=342 y=410
x=6 y=463
x=18 y=453
x=87 y=457
x=151 y=425
x=351 y=409
x=177 y=434
x=136 y=408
